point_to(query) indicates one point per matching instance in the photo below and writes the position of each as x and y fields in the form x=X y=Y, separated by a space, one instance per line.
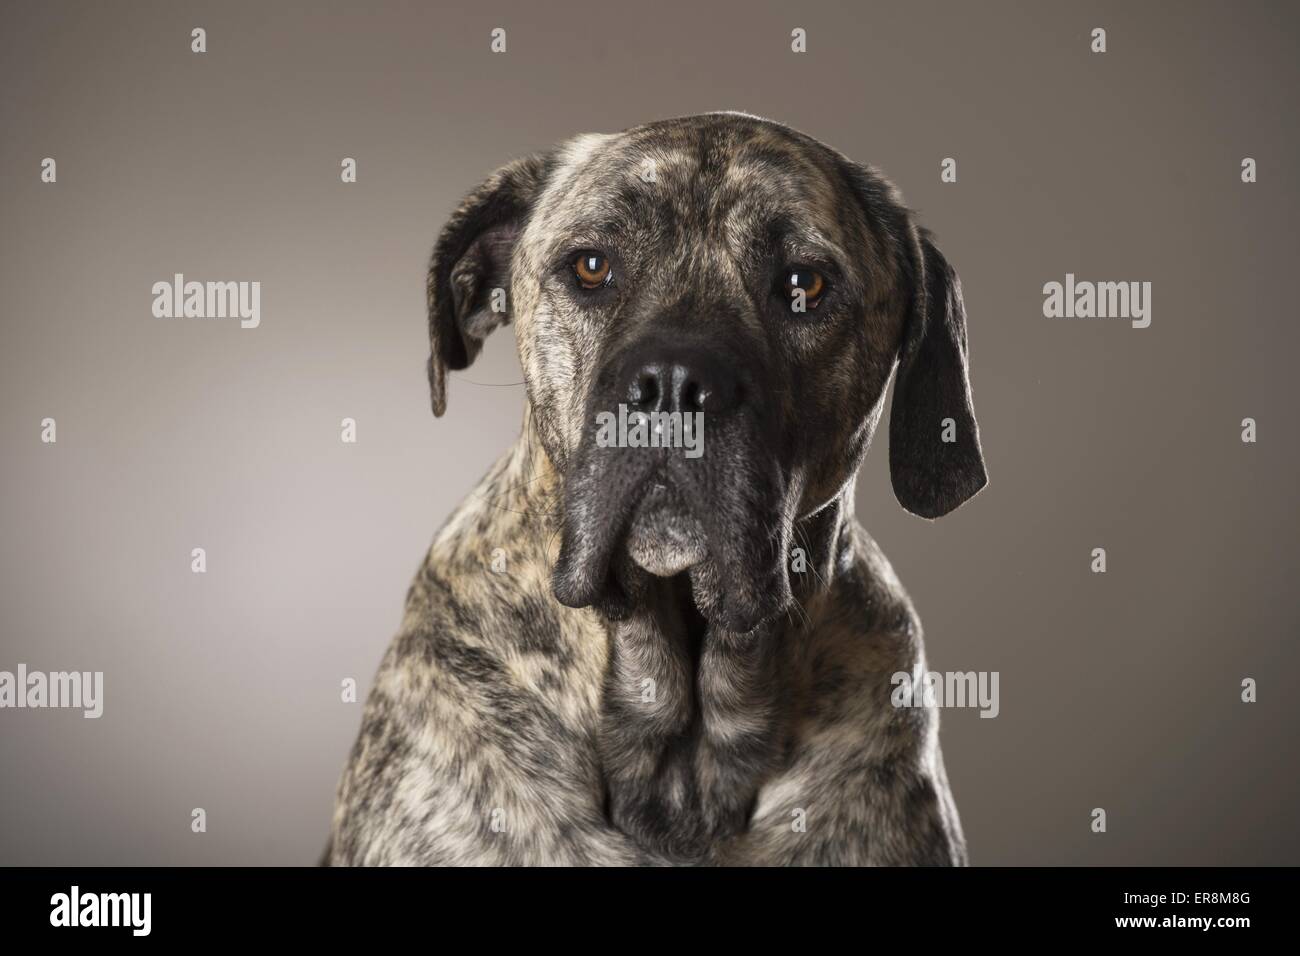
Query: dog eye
x=810 y=281
x=592 y=270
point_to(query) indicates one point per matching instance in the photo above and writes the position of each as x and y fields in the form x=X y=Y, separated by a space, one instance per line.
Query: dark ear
x=471 y=259
x=932 y=398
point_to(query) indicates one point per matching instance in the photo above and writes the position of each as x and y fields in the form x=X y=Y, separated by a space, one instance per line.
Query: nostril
x=695 y=384
x=644 y=389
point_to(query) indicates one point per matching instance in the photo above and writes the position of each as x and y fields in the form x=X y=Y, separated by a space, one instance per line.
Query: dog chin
x=663 y=539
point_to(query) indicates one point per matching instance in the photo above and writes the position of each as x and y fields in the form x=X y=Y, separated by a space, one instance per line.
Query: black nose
x=681 y=381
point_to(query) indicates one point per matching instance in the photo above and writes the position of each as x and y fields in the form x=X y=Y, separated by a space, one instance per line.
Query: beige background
x=1118 y=691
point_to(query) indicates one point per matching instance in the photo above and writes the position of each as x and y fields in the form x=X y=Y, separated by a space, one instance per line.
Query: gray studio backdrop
x=1119 y=690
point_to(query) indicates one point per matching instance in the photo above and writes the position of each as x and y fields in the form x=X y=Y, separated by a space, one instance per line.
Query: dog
x=618 y=655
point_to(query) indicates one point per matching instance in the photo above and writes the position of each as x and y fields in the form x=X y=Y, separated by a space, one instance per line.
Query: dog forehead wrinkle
x=794 y=230
x=713 y=267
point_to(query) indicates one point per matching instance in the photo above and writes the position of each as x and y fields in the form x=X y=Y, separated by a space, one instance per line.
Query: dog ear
x=471 y=259
x=935 y=460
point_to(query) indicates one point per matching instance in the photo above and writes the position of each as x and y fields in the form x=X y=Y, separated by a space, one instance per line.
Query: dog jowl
x=760 y=288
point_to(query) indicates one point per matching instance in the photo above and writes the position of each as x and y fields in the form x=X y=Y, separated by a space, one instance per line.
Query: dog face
x=724 y=272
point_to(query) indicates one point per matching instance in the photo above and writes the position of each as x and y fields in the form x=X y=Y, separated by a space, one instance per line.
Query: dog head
x=708 y=311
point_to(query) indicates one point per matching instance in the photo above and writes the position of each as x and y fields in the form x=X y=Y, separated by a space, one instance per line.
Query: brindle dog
x=623 y=655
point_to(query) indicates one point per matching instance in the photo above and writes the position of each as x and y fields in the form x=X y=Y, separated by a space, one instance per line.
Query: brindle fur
x=510 y=722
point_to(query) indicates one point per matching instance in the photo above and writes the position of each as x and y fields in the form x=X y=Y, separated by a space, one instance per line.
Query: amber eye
x=592 y=270
x=802 y=278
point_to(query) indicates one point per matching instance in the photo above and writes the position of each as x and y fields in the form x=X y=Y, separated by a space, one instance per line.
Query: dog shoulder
x=484 y=701
x=867 y=641
x=865 y=782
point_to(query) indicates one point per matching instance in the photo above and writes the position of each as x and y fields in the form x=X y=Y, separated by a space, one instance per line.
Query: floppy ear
x=470 y=260
x=935 y=459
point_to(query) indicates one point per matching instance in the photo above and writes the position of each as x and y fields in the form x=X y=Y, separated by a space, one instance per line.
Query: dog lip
x=659 y=493
x=583 y=570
